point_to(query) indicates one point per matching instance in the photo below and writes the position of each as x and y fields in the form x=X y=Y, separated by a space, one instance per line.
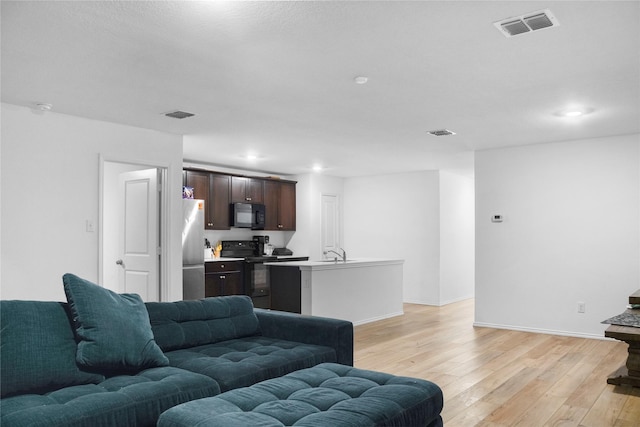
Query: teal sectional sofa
x=228 y=340
x=107 y=359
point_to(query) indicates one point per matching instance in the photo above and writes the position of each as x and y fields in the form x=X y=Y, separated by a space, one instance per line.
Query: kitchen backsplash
x=276 y=238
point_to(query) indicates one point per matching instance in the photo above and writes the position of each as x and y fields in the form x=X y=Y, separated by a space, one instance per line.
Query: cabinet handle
x=248 y=199
x=223 y=277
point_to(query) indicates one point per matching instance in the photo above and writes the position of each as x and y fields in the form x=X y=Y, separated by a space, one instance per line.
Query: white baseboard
x=540 y=331
x=375 y=319
x=438 y=303
x=421 y=302
x=451 y=301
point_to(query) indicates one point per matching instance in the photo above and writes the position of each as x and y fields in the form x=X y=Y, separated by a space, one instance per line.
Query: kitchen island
x=361 y=290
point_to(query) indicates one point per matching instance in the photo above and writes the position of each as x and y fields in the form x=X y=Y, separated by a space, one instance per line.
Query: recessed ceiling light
x=574 y=112
x=361 y=80
x=317 y=168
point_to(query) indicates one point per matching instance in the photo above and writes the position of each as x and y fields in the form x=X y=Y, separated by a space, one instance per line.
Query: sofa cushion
x=325 y=395
x=114 y=329
x=245 y=361
x=38 y=348
x=185 y=324
x=118 y=401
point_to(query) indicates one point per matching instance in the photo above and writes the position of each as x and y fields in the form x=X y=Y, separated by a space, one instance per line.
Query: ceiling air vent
x=513 y=28
x=539 y=21
x=179 y=114
x=441 y=132
x=526 y=23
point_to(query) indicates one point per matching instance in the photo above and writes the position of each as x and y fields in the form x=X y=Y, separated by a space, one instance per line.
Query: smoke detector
x=179 y=114
x=441 y=132
x=529 y=22
x=43 y=106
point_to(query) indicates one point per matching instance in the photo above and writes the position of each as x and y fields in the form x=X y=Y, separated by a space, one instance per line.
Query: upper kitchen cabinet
x=247 y=190
x=280 y=205
x=218 y=190
x=214 y=189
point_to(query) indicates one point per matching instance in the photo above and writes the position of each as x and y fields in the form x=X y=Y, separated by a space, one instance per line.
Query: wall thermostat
x=496 y=218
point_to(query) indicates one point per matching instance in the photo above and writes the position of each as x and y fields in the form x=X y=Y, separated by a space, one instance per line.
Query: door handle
x=120 y=262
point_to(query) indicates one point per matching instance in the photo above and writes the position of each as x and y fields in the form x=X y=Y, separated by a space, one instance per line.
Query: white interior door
x=138 y=232
x=330 y=222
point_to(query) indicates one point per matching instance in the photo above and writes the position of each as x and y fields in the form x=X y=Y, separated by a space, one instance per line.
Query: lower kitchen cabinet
x=223 y=278
x=285 y=289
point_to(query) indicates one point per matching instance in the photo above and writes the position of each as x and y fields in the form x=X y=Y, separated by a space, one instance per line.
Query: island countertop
x=361 y=290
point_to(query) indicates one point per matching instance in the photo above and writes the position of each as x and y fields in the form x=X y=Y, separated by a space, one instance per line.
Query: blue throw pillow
x=113 y=329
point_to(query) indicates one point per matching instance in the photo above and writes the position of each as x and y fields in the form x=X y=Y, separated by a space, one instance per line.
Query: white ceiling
x=277 y=78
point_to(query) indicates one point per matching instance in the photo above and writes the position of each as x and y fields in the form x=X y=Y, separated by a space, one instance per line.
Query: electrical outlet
x=582 y=307
x=497 y=218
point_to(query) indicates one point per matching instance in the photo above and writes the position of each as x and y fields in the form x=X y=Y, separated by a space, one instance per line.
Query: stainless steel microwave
x=247 y=215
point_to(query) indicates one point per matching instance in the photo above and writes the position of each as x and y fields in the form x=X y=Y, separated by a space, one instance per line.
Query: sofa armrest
x=334 y=333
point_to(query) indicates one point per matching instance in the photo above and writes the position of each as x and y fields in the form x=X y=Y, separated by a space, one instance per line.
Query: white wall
x=50 y=187
x=397 y=216
x=570 y=233
x=303 y=240
x=400 y=216
x=457 y=237
x=307 y=240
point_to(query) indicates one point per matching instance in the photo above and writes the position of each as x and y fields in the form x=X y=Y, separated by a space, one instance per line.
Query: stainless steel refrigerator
x=193 y=249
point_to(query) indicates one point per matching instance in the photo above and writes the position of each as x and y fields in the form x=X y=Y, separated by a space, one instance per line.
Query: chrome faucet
x=343 y=255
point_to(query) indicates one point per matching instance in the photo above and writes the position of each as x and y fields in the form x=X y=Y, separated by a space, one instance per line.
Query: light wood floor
x=494 y=377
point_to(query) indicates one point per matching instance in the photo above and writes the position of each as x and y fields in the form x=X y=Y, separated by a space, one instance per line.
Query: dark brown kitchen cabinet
x=280 y=205
x=247 y=190
x=214 y=189
x=286 y=294
x=199 y=181
x=219 y=185
x=219 y=190
x=223 y=278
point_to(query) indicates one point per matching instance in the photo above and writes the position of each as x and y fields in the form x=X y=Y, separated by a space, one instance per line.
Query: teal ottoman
x=325 y=395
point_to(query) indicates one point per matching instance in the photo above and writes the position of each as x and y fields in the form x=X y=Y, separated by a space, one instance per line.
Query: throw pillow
x=113 y=329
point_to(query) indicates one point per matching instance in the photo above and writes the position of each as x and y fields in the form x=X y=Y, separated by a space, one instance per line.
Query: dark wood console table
x=630 y=373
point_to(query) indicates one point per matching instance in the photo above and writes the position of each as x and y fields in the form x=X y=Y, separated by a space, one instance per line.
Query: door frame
x=163 y=217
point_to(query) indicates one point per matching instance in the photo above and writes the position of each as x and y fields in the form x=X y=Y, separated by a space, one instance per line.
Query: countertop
x=222 y=259
x=280 y=257
x=332 y=265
